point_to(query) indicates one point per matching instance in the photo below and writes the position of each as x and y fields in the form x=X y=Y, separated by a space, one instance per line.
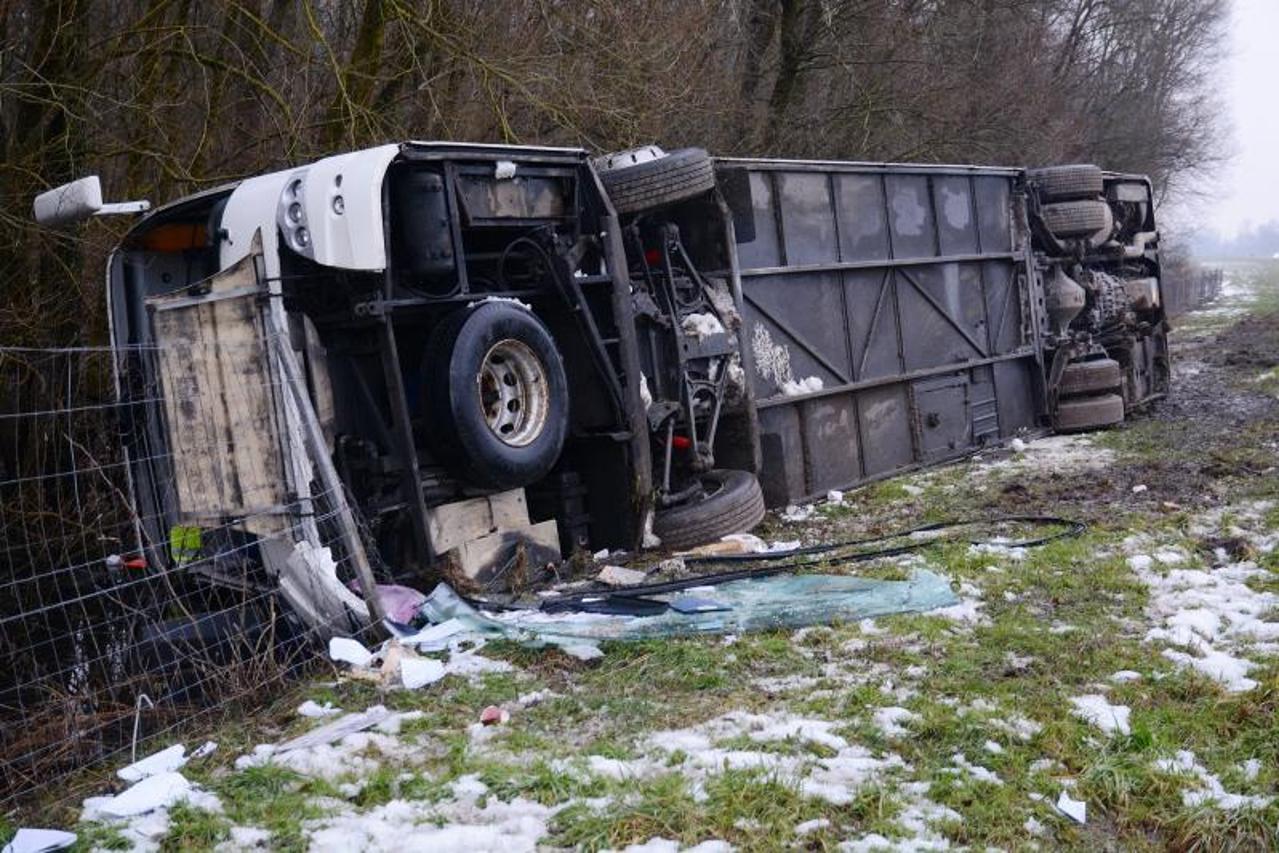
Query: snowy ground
x=1113 y=690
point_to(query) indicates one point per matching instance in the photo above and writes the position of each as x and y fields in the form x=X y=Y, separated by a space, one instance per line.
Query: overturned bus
x=476 y=355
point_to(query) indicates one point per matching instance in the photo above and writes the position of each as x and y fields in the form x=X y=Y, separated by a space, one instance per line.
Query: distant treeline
x=1261 y=241
x=163 y=97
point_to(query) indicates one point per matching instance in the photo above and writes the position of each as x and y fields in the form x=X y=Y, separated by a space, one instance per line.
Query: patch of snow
x=154 y=792
x=892 y=721
x=509 y=300
x=961 y=765
x=1251 y=768
x=794 y=514
x=1095 y=709
x=1125 y=675
x=811 y=826
x=1210 y=791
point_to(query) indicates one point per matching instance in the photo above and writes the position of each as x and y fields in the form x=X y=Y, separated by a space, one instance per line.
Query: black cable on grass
x=573 y=601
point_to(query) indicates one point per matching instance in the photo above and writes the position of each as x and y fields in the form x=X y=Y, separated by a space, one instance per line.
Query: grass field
x=1133 y=668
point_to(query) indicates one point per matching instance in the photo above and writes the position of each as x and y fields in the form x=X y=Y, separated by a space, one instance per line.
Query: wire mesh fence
x=156 y=544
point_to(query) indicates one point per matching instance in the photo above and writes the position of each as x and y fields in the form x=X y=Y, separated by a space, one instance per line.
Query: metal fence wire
x=116 y=621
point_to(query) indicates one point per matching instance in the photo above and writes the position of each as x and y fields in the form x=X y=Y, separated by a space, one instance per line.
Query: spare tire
x=730 y=502
x=1078 y=219
x=1067 y=183
x=646 y=178
x=1084 y=413
x=496 y=396
x=1089 y=377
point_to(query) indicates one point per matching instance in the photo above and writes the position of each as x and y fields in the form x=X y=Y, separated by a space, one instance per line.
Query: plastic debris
x=619 y=576
x=164 y=761
x=39 y=840
x=399 y=603
x=1139 y=488
x=758 y=604
x=835 y=496
x=338 y=729
x=493 y=716
x=311 y=708
x=1017 y=445
x=434 y=638
x=153 y=792
x=204 y=750
x=418 y=672
x=1076 y=810
x=504 y=170
x=346 y=650
x=697 y=604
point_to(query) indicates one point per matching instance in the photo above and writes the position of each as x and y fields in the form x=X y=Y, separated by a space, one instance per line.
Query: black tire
x=1078 y=219
x=1090 y=377
x=679 y=175
x=1067 y=183
x=1085 y=413
x=732 y=503
x=461 y=358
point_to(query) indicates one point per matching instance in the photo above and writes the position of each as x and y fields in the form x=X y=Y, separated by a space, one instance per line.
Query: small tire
x=1069 y=219
x=1067 y=183
x=732 y=503
x=496 y=395
x=678 y=176
x=1090 y=377
x=1084 y=413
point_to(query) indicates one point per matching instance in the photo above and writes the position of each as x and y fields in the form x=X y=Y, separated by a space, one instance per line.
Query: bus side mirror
x=77 y=201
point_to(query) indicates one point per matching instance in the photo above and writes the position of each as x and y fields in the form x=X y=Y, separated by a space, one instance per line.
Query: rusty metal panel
x=886 y=310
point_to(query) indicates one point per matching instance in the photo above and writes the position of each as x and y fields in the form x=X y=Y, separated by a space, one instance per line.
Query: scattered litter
x=796 y=514
x=399 y=603
x=504 y=170
x=154 y=792
x=1251 y=769
x=1139 y=488
x=164 y=761
x=696 y=604
x=701 y=325
x=493 y=716
x=583 y=651
x=1076 y=810
x=913 y=491
x=310 y=708
x=619 y=576
x=418 y=672
x=1125 y=675
x=39 y=841
x=835 y=496
x=601 y=554
x=1034 y=827
x=346 y=650
x=1095 y=709
x=336 y=730
x=434 y=638
x=204 y=750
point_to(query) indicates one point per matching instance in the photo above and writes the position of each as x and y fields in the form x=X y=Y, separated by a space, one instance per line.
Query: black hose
x=1072 y=528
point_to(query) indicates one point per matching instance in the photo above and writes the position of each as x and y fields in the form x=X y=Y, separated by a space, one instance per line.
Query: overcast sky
x=1251 y=181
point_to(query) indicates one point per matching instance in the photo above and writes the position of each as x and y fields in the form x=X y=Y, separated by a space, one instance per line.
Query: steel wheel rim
x=513 y=392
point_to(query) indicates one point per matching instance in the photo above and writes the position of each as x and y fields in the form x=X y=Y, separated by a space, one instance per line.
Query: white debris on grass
x=152 y=793
x=1076 y=810
x=1125 y=675
x=913 y=491
x=993 y=747
x=583 y=651
x=164 y=761
x=998 y=548
x=1034 y=827
x=701 y=325
x=31 y=840
x=418 y=672
x=892 y=721
x=1139 y=488
x=346 y=650
x=1017 y=445
x=1094 y=709
x=245 y=838
x=311 y=708
x=834 y=496
x=1210 y=791
x=794 y=514
x=666 y=845
x=1251 y=769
